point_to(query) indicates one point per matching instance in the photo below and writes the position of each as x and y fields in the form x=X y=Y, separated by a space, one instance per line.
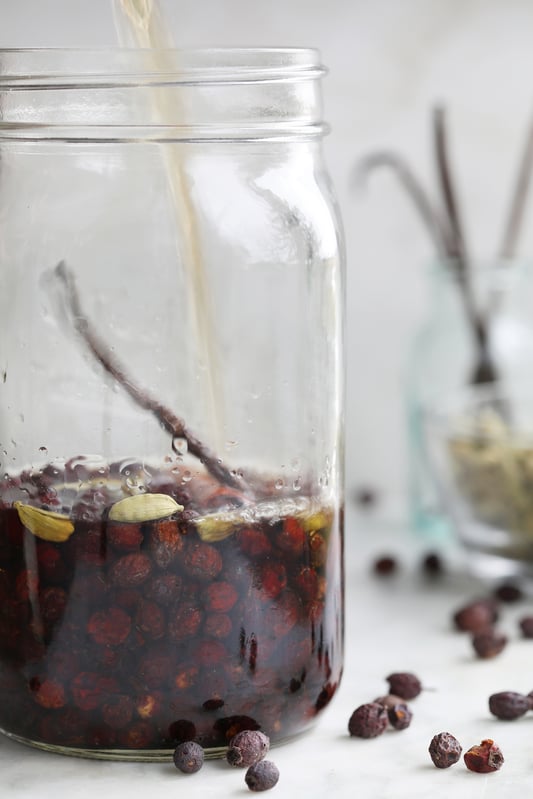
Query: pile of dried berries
x=121 y=629
x=480 y=616
x=445 y=750
x=247 y=750
x=373 y=718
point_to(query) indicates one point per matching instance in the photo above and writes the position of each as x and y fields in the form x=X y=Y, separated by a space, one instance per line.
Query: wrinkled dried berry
x=48 y=693
x=400 y=716
x=111 y=626
x=526 y=626
x=202 y=561
x=262 y=776
x=385 y=565
x=118 y=712
x=124 y=537
x=404 y=684
x=368 y=721
x=444 y=750
x=247 y=747
x=509 y=593
x=220 y=597
x=508 y=705
x=488 y=643
x=365 y=497
x=432 y=565
x=484 y=758
x=477 y=615
x=131 y=570
x=189 y=757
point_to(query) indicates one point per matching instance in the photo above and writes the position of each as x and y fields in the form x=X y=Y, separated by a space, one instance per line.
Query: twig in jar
x=170 y=422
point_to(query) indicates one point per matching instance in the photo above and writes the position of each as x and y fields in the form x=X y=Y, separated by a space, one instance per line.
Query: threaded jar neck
x=182 y=95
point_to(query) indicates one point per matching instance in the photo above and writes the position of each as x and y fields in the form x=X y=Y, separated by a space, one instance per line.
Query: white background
x=389 y=62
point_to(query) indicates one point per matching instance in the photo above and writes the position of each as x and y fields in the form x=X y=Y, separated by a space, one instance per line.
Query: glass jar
x=444 y=357
x=171 y=450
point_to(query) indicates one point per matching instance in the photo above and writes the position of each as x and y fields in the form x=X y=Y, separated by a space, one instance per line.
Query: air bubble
x=187 y=476
x=297 y=484
x=179 y=445
x=279 y=484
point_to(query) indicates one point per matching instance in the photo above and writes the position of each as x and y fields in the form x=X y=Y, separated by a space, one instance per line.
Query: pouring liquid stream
x=139 y=23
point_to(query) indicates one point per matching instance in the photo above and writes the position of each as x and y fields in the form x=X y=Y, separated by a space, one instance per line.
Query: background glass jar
x=444 y=357
x=170 y=399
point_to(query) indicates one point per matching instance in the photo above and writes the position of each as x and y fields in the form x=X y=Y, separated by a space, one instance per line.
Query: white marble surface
x=392 y=625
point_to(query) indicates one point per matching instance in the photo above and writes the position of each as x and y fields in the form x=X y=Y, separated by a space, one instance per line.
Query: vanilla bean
x=432 y=220
x=518 y=199
x=484 y=370
x=169 y=421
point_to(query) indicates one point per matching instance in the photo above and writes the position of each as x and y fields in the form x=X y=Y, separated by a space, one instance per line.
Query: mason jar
x=171 y=439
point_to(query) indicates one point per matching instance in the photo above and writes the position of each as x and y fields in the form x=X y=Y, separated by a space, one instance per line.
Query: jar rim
x=64 y=67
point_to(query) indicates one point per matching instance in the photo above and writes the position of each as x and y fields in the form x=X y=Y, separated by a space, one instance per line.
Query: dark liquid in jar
x=135 y=636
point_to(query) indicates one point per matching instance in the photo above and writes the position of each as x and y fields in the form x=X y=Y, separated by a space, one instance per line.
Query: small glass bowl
x=480 y=447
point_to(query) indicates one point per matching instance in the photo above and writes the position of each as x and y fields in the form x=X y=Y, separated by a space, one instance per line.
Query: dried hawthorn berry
x=189 y=757
x=508 y=705
x=509 y=593
x=368 y=721
x=118 y=711
x=247 y=747
x=218 y=625
x=262 y=776
x=292 y=538
x=526 y=626
x=253 y=542
x=48 y=693
x=150 y=619
x=184 y=620
x=165 y=589
x=476 y=615
x=444 y=750
x=432 y=564
x=220 y=597
x=306 y=583
x=166 y=542
x=385 y=565
x=404 y=684
x=51 y=564
x=272 y=579
x=400 y=716
x=129 y=571
x=488 y=643
x=365 y=497
x=111 y=626
x=202 y=561
x=484 y=758
x=124 y=537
